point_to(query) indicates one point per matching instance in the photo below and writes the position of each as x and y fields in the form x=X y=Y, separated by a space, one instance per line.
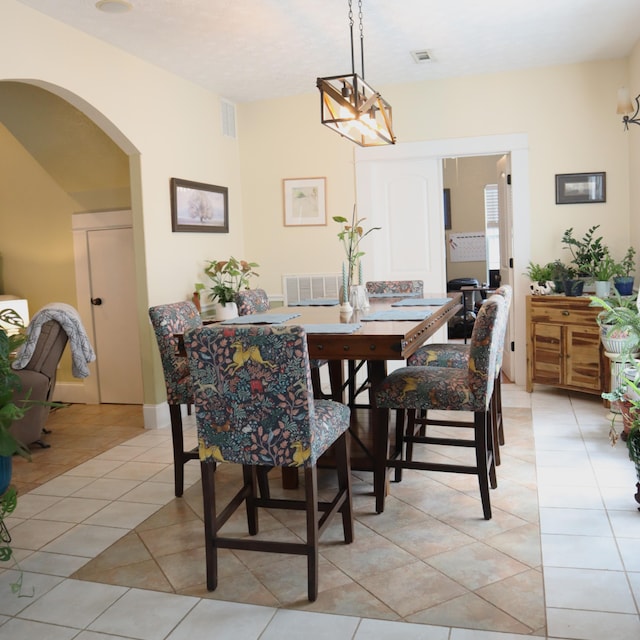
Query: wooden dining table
x=375 y=342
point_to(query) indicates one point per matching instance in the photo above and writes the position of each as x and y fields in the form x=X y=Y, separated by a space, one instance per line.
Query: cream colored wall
x=170 y=126
x=466 y=178
x=283 y=139
x=568 y=113
x=36 y=242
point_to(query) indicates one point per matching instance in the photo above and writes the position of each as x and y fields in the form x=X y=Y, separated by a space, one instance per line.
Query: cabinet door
x=583 y=357
x=547 y=353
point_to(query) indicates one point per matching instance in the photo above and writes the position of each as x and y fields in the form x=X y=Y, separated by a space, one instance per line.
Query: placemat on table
x=421 y=302
x=337 y=327
x=398 y=314
x=408 y=294
x=261 y=318
x=315 y=302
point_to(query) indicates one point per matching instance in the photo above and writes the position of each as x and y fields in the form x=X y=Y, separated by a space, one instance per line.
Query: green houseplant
x=619 y=322
x=606 y=269
x=9 y=412
x=351 y=235
x=229 y=277
x=623 y=280
x=560 y=272
x=538 y=273
x=627 y=397
x=586 y=252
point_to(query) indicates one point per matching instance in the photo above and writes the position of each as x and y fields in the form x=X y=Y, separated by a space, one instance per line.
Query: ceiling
x=246 y=50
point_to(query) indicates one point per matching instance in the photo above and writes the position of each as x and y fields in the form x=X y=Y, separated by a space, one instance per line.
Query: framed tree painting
x=199 y=207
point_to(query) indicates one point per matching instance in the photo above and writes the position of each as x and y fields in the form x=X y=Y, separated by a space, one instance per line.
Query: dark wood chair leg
x=311 y=497
x=180 y=456
x=175 y=414
x=482 y=460
x=207 y=470
x=343 y=466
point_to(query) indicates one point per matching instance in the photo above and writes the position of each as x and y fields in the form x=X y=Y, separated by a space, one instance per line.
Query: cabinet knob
x=565 y=313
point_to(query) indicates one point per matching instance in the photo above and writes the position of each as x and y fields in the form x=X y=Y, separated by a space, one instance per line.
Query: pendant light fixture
x=350 y=106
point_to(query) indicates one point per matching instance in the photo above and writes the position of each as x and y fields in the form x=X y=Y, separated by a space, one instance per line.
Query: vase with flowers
x=353 y=293
x=229 y=277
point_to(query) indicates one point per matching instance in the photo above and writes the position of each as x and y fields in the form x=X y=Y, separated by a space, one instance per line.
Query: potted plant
x=350 y=237
x=606 y=269
x=540 y=276
x=229 y=277
x=627 y=397
x=572 y=285
x=619 y=323
x=558 y=273
x=9 y=412
x=623 y=280
x=586 y=252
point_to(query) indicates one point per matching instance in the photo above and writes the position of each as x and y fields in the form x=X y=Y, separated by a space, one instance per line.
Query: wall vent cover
x=421 y=56
x=228 y=110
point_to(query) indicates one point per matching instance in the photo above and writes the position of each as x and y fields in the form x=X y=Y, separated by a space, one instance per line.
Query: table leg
x=380 y=429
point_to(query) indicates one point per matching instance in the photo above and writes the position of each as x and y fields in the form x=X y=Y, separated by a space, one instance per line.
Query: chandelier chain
x=361 y=36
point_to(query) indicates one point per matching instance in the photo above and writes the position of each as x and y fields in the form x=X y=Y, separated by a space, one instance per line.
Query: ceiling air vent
x=421 y=56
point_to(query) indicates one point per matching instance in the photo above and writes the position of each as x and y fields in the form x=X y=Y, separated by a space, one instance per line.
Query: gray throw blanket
x=81 y=350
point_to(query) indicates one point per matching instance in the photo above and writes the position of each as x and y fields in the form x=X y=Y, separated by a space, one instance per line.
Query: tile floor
x=107 y=552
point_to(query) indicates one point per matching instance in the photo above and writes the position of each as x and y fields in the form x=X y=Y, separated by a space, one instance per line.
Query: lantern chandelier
x=350 y=106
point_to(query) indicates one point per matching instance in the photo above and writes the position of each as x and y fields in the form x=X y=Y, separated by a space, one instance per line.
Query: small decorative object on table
x=353 y=294
x=229 y=276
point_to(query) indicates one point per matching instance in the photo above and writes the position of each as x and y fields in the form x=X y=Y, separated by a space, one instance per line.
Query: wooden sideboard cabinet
x=563 y=345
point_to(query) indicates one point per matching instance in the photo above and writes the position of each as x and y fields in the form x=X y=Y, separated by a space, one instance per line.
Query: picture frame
x=581 y=188
x=199 y=207
x=446 y=194
x=304 y=202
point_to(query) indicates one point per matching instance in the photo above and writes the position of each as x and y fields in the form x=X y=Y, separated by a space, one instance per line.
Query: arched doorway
x=57 y=162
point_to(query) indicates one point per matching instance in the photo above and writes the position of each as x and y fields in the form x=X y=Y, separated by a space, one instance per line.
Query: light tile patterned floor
x=108 y=551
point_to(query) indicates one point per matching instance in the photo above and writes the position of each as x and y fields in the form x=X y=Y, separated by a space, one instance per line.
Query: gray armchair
x=38 y=379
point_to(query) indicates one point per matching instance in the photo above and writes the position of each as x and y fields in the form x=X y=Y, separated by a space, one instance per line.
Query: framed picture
x=580 y=188
x=199 y=207
x=447 y=208
x=304 y=202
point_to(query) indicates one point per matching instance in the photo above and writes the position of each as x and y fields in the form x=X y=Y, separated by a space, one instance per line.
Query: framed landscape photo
x=304 y=202
x=199 y=207
x=580 y=188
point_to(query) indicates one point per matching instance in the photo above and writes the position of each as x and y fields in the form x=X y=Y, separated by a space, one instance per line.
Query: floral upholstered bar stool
x=378 y=289
x=414 y=389
x=170 y=321
x=255 y=407
x=457 y=355
x=257 y=301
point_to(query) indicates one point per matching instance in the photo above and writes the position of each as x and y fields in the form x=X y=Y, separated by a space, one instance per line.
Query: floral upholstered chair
x=457 y=355
x=252 y=301
x=257 y=301
x=377 y=288
x=169 y=322
x=413 y=389
x=388 y=287
x=254 y=406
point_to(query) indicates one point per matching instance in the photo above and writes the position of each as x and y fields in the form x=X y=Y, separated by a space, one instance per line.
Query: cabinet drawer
x=553 y=315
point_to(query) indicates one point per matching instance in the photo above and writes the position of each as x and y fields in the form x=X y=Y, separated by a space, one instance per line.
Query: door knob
x=96 y=301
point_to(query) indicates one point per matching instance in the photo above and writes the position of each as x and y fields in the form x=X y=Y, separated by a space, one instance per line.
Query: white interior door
x=404 y=197
x=505 y=205
x=105 y=281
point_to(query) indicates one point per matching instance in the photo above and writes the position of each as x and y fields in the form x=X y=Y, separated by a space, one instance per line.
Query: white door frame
x=517 y=145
